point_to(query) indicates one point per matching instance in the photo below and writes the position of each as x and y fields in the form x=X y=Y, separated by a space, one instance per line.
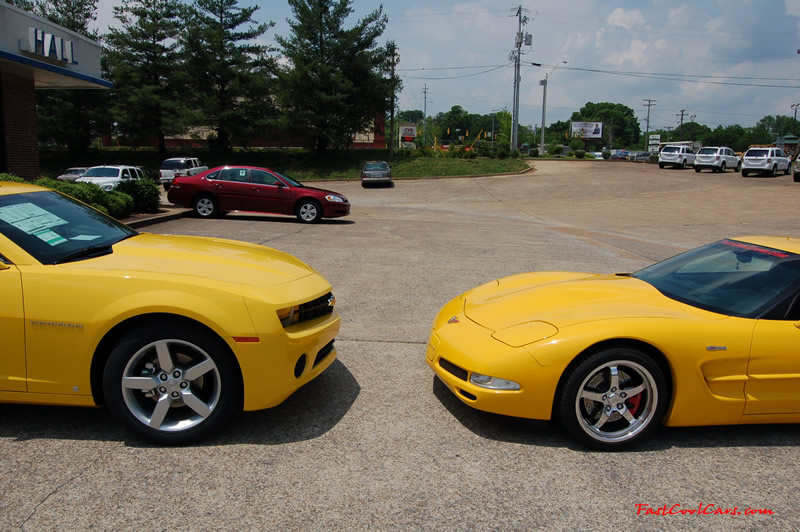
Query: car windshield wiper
x=86 y=253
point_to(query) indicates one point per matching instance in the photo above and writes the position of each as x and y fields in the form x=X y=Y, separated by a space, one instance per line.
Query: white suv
x=717 y=159
x=676 y=156
x=178 y=167
x=108 y=177
x=766 y=161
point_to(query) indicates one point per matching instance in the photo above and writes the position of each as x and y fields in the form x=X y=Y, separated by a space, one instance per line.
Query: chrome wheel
x=171 y=385
x=309 y=212
x=613 y=399
x=616 y=401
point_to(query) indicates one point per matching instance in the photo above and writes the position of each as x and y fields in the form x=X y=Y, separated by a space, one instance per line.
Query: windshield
x=102 y=171
x=289 y=180
x=174 y=165
x=53 y=228
x=376 y=166
x=728 y=277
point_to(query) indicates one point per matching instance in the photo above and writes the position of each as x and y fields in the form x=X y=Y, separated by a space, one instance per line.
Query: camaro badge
x=454 y=319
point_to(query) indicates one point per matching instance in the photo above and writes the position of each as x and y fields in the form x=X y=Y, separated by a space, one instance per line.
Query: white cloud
x=626 y=19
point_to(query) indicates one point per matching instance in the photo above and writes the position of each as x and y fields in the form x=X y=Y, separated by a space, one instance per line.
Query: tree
x=230 y=75
x=74 y=15
x=692 y=131
x=620 y=126
x=334 y=85
x=144 y=66
x=777 y=126
x=414 y=116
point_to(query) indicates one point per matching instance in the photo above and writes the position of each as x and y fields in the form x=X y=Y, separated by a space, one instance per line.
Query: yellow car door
x=12 y=329
x=773 y=376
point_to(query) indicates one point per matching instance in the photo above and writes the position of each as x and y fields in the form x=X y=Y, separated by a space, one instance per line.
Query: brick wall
x=19 y=141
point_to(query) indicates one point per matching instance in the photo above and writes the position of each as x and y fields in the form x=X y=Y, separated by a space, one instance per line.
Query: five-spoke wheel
x=613 y=399
x=171 y=387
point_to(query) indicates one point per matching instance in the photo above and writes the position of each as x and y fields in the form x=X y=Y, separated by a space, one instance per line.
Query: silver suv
x=108 y=177
x=717 y=159
x=767 y=160
x=676 y=156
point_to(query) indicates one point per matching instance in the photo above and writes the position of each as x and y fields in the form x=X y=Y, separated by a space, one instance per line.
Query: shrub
x=119 y=204
x=11 y=178
x=515 y=154
x=145 y=193
x=580 y=154
x=503 y=151
x=534 y=152
x=606 y=155
x=555 y=149
x=653 y=158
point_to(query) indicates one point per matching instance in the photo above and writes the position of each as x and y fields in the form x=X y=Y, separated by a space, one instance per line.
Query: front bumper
x=456 y=350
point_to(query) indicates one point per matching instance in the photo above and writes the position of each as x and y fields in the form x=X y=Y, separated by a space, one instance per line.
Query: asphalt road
x=376 y=442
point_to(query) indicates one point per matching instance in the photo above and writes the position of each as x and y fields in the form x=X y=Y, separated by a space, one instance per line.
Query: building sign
x=408 y=134
x=653 y=143
x=587 y=130
x=50 y=46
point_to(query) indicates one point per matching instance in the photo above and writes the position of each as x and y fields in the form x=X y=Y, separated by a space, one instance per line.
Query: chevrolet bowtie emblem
x=454 y=319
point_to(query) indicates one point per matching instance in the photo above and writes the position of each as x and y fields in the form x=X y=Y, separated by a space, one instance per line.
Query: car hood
x=563 y=299
x=99 y=180
x=200 y=257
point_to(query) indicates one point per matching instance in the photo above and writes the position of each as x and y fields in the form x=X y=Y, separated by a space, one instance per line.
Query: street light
x=795 y=106
x=543 y=83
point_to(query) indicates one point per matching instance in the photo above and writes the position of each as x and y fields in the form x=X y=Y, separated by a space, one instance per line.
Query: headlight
x=107 y=188
x=492 y=383
x=334 y=198
x=289 y=315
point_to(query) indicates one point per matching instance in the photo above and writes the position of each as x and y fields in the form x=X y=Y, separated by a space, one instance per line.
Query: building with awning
x=37 y=54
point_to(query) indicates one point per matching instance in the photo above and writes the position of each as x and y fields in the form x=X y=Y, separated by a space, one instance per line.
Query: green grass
x=299 y=164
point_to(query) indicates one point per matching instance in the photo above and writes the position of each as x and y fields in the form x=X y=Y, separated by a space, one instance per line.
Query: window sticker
x=242 y=173
x=34 y=220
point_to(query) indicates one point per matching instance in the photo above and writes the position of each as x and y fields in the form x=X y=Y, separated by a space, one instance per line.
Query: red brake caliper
x=633 y=403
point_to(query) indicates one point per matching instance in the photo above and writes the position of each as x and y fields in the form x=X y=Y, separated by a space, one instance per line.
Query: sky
x=717 y=62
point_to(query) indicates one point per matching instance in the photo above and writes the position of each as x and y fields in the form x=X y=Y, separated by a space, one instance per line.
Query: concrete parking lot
x=376 y=442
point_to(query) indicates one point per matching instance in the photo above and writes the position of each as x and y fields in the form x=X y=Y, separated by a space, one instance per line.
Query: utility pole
x=650 y=103
x=516 y=55
x=393 y=49
x=424 y=115
x=681 y=114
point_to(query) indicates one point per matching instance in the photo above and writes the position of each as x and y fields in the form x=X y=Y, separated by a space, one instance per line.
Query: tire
x=172 y=384
x=661 y=165
x=166 y=186
x=796 y=178
x=788 y=169
x=308 y=211
x=722 y=168
x=205 y=206
x=614 y=399
x=745 y=173
x=683 y=165
x=774 y=171
x=738 y=167
x=697 y=169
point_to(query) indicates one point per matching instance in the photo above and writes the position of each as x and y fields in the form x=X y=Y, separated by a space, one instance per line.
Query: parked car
x=706 y=337
x=640 y=156
x=249 y=188
x=179 y=167
x=676 y=156
x=172 y=334
x=768 y=161
x=376 y=172
x=108 y=177
x=71 y=174
x=716 y=159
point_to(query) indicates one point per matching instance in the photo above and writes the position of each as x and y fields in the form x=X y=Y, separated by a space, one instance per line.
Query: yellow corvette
x=174 y=334
x=708 y=337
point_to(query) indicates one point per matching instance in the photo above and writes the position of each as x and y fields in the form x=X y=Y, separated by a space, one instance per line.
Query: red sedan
x=248 y=188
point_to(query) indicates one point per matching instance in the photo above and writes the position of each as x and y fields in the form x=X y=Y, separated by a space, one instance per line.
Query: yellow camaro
x=708 y=337
x=174 y=334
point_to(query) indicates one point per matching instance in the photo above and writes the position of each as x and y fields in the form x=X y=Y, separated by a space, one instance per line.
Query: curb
x=149 y=219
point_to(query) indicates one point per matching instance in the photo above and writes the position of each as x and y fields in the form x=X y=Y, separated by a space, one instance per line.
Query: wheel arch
x=301 y=199
x=112 y=337
x=645 y=348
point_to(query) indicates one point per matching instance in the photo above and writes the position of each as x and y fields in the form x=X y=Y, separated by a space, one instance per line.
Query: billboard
x=587 y=130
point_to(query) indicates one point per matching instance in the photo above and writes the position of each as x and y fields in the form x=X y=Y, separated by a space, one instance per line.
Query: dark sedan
x=248 y=188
